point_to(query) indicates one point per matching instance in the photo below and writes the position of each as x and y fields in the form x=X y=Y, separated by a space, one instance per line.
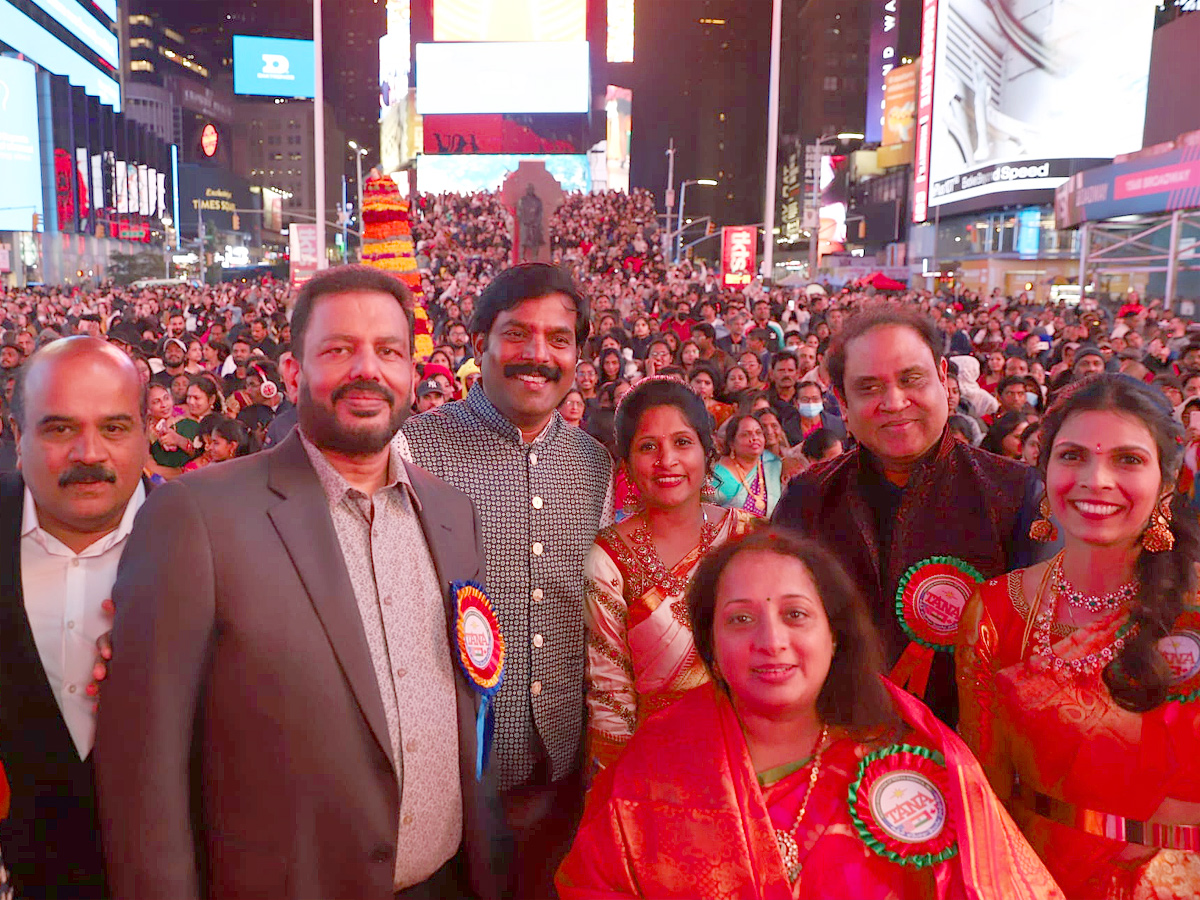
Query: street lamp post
x=772 y=143
x=682 y=199
x=814 y=238
x=359 y=153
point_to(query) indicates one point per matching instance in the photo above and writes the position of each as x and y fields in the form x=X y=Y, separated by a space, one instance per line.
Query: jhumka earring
x=1159 y=537
x=1043 y=529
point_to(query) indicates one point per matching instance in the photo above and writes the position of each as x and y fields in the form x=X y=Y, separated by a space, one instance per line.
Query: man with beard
x=286 y=719
x=78 y=410
x=543 y=490
x=174 y=358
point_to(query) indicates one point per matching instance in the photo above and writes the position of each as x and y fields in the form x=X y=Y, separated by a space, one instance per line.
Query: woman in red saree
x=798 y=772
x=1079 y=677
x=5 y=889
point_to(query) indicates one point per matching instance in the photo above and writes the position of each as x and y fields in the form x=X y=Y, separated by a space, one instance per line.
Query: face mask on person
x=810 y=410
x=1032 y=399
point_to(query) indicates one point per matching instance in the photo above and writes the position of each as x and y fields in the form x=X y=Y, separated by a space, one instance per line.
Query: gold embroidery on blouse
x=597 y=644
x=1016 y=596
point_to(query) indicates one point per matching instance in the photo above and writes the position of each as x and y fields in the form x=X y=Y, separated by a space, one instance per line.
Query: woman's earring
x=1159 y=538
x=1043 y=529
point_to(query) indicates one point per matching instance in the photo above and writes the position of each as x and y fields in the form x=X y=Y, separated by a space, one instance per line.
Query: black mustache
x=369 y=387
x=83 y=474
x=550 y=373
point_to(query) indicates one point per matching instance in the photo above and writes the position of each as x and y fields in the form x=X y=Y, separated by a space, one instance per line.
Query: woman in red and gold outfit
x=640 y=652
x=5 y=889
x=797 y=772
x=1079 y=677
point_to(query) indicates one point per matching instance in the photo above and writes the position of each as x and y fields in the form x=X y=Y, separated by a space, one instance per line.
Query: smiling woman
x=1101 y=640
x=798 y=772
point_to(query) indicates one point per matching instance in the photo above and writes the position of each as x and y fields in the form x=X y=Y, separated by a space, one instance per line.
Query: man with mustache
x=543 y=490
x=911 y=510
x=289 y=719
x=78 y=412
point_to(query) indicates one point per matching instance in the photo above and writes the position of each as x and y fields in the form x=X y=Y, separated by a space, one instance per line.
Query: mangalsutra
x=789 y=850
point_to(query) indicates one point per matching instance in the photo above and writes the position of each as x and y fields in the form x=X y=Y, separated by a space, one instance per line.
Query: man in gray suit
x=284 y=716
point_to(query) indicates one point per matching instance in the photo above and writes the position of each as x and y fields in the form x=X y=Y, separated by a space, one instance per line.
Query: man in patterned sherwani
x=543 y=489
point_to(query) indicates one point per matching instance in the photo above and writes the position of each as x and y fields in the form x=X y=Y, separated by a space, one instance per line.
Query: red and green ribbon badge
x=898 y=806
x=1181 y=650
x=930 y=600
x=480 y=656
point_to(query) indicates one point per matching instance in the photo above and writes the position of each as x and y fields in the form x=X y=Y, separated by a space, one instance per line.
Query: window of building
x=273 y=140
x=276 y=156
x=141 y=65
x=141 y=42
x=295 y=157
x=140 y=20
x=831 y=83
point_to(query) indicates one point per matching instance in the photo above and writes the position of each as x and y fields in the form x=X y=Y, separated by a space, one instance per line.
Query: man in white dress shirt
x=78 y=411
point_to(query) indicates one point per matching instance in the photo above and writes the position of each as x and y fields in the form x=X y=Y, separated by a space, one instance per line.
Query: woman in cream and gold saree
x=640 y=652
x=798 y=772
x=1079 y=677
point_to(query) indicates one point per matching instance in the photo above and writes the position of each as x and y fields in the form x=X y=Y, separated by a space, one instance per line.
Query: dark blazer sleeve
x=165 y=599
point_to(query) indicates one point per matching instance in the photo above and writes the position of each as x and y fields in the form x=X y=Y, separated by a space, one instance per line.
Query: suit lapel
x=26 y=699
x=304 y=525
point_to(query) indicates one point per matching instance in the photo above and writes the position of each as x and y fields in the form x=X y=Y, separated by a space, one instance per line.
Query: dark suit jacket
x=242 y=748
x=51 y=838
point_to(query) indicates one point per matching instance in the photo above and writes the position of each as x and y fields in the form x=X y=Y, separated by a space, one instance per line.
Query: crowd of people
x=635 y=586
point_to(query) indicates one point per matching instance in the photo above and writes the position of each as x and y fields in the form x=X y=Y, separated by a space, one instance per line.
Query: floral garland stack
x=388 y=245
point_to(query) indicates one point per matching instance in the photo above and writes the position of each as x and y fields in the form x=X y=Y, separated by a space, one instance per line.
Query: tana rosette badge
x=480 y=656
x=930 y=601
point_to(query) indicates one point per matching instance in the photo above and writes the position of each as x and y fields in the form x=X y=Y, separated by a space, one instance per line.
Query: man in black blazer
x=64 y=520
x=266 y=728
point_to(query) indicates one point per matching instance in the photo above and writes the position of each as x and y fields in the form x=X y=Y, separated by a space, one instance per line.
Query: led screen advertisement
x=618 y=116
x=1019 y=89
x=273 y=67
x=457 y=79
x=620 y=31
x=509 y=20
x=464 y=174
x=21 y=186
x=495 y=133
x=1146 y=185
x=881 y=56
x=739 y=247
x=25 y=35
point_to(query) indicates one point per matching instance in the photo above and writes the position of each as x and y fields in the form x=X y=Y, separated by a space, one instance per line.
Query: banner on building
x=304 y=251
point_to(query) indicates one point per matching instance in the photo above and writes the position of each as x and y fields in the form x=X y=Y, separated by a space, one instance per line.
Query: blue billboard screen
x=28 y=37
x=21 y=187
x=273 y=67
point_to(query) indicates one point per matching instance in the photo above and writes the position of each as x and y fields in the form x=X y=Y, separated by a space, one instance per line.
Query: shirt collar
x=477 y=401
x=30 y=526
x=335 y=485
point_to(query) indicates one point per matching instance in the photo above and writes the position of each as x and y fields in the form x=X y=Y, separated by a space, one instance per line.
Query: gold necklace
x=789 y=850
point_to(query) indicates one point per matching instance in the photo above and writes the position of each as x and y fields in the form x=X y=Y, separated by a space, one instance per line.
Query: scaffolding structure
x=1125 y=246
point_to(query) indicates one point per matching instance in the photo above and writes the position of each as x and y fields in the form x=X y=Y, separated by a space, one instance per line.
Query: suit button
x=538 y=640
x=382 y=853
x=537 y=548
x=537 y=503
x=533 y=459
x=538 y=594
x=535 y=688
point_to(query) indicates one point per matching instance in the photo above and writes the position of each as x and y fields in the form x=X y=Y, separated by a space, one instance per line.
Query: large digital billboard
x=620 y=31
x=455 y=79
x=462 y=174
x=21 y=187
x=1023 y=92
x=509 y=20
x=514 y=133
x=273 y=67
x=94 y=34
x=26 y=36
x=618 y=117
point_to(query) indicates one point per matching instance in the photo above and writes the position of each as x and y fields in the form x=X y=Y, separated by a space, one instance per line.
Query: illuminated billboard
x=84 y=68
x=91 y=31
x=456 y=79
x=618 y=115
x=881 y=59
x=514 y=133
x=273 y=67
x=462 y=174
x=1022 y=97
x=21 y=187
x=620 y=31
x=509 y=20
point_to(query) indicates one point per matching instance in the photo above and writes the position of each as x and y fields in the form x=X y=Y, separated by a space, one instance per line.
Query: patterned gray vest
x=540 y=506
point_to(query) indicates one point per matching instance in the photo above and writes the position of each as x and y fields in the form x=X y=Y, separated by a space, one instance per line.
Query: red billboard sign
x=739 y=248
x=929 y=16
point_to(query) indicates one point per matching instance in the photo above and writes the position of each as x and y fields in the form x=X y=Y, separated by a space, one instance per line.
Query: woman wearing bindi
x=1079 y=677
